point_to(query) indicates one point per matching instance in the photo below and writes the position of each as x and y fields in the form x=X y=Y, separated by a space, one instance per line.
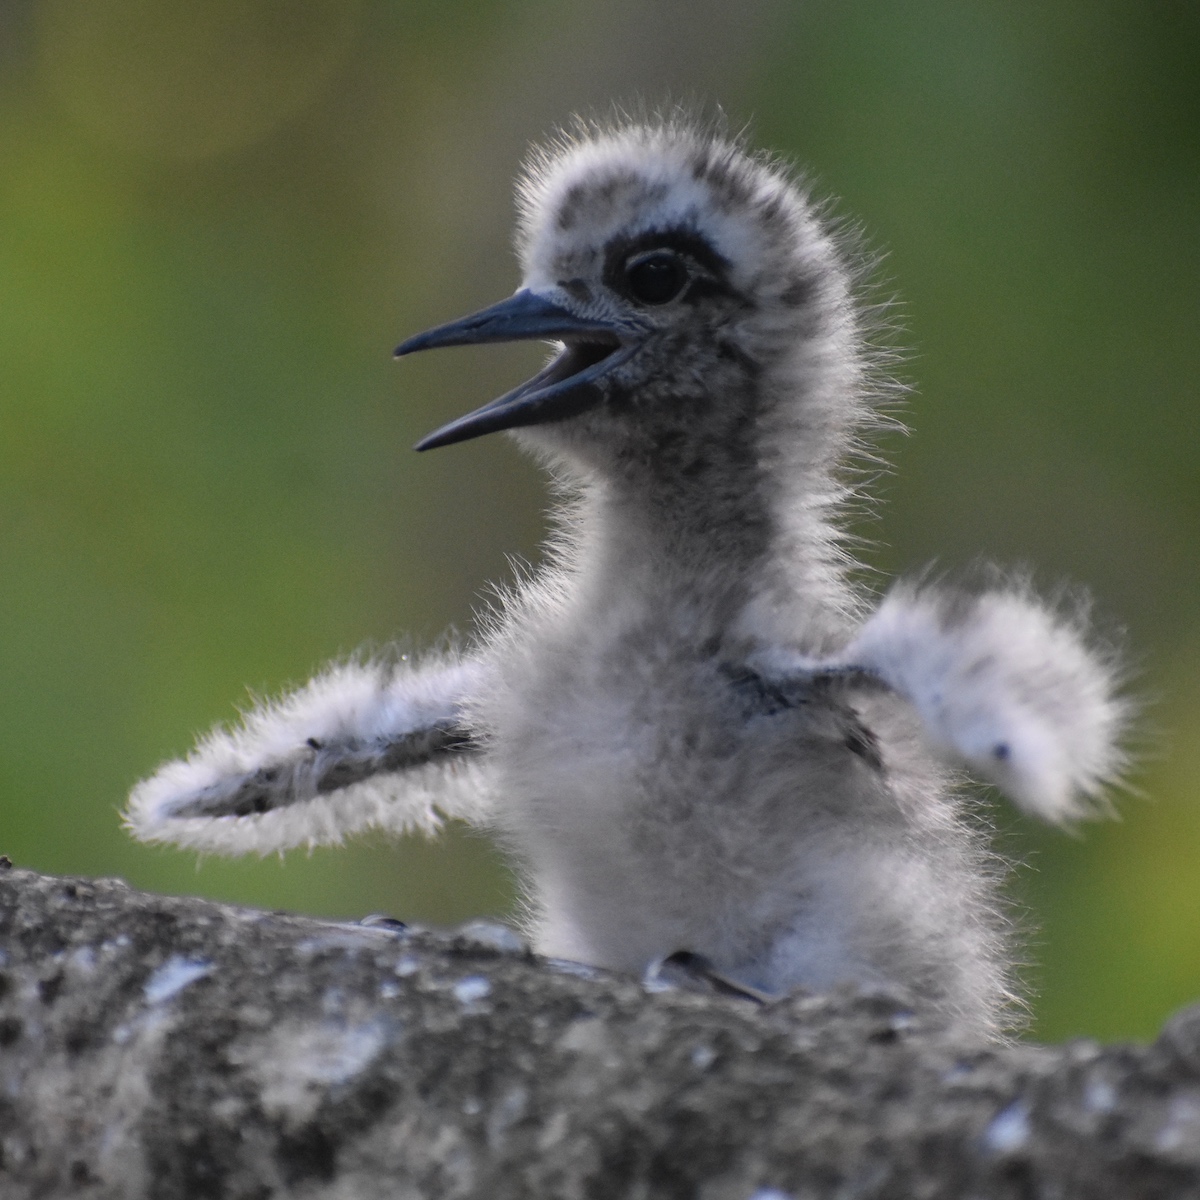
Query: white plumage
x=326 y=749
x=1008 y=686
x=690 y=730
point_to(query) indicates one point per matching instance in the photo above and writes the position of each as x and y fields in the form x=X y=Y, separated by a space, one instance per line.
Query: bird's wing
x=1003 y=682
x=364 y=745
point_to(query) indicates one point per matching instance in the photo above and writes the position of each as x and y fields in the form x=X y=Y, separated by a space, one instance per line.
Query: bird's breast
x=646 y=745
x=662 y=795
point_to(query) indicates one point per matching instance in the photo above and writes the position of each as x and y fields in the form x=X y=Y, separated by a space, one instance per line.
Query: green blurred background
x=218 y=216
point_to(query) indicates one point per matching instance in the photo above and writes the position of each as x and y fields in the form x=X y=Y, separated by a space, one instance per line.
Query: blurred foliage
x=217 y=217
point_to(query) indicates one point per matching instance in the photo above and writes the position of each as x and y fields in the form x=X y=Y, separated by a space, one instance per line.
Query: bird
x=694 y=729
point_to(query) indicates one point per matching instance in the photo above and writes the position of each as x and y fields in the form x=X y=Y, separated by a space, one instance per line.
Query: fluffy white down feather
x=349 y=702
x=1006 y=684
x=656 y=792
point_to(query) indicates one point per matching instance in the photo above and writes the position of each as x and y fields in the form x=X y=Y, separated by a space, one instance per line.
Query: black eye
x=656 y=277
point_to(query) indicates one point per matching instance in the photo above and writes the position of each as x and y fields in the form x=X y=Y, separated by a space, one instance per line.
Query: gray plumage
x=691 y=730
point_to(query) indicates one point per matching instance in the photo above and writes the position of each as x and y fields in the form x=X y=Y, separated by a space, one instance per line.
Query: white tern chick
x=690 y=730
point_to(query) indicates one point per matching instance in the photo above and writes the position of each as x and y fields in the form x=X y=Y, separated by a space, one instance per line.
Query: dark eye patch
x=705 y=271
x=656 y=277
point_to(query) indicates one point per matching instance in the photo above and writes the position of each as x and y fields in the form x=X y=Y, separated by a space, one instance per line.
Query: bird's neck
x=722 y=553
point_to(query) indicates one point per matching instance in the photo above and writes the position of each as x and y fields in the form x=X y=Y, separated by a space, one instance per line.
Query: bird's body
x=662 y=796
x=690 y=730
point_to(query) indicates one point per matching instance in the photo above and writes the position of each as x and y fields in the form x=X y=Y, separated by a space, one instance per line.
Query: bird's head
x=689 y=283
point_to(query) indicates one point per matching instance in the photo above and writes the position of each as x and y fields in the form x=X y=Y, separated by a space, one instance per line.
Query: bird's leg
x=690 y=972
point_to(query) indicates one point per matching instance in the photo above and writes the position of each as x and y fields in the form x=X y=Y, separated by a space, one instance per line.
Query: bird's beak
x=569 y=385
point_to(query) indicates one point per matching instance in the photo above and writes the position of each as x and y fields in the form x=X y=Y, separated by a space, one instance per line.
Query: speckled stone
x=162 y=1047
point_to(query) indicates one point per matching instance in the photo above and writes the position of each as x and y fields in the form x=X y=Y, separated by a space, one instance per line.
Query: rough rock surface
x=163 y=1047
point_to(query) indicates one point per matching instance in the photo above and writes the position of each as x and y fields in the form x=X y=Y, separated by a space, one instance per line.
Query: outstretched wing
x=364 y=745
x=1003 y=682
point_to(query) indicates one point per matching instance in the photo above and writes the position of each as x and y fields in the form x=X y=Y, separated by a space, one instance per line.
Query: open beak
x=568 y=385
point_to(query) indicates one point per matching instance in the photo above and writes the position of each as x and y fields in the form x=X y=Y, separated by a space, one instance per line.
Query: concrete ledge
x=155 y=1046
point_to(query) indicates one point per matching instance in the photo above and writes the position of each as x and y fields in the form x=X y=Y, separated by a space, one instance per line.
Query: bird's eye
x=656 y=277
